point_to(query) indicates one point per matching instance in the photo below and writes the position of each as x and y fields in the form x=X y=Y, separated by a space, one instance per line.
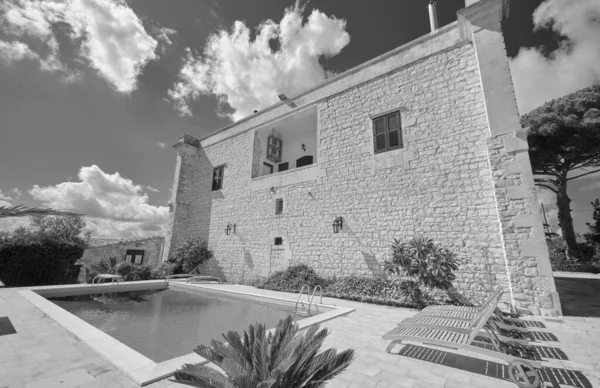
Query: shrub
x=190 y=255
x=141 y=272
x=112 y=265
x=389 y=292
x=426 y=263
x=162 y=270
x=292 y=279
x=587 y=267
x=27 y=259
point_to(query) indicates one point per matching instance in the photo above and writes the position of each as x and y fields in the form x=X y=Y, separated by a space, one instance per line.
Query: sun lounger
x=503 y=332
x=111 y=277
x=195 y=277
x=519 y=356
x=505 y=320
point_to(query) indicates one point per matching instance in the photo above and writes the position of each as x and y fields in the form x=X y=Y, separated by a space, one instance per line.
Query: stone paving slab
x=43 y=354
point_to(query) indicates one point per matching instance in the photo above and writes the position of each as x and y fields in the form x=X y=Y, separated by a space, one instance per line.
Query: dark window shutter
x=278 y=206
x=304 y=161
x=278 y=241
x=379 y=136
x=387 y=133
x=217 y=183
x=283 y=166
x=393 y=129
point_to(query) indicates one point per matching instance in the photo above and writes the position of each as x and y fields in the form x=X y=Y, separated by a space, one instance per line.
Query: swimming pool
x=142 y=327
x=168 y=323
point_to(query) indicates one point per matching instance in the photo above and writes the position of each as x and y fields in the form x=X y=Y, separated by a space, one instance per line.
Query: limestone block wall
x=153 y=250
x=462 y=177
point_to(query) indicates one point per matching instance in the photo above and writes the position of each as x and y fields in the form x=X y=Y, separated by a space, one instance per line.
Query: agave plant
x=283 y=359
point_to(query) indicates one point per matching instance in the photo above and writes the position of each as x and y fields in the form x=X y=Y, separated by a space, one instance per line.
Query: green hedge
x=38 y=262
x=292 y=279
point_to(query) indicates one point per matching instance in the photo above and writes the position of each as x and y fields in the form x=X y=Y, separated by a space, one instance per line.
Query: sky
x=93 y=93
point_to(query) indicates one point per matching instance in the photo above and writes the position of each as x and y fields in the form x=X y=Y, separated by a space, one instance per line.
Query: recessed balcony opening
x=286 y=145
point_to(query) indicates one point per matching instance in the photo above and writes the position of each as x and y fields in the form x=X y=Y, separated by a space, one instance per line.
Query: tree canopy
x=564 y=144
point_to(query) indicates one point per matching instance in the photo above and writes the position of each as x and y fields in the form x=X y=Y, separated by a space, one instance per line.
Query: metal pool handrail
x=313 y=297
x=300 y=296
x=107 y=276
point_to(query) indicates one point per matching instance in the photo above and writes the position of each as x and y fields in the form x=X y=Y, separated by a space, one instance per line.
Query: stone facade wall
x=461 y=177
x=153 y=249
x=444 y=193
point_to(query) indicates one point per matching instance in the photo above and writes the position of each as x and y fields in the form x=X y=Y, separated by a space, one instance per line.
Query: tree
x=67 y=228
x=593 y=236
x=190 y=255
x=564 y=139
x=284 y=359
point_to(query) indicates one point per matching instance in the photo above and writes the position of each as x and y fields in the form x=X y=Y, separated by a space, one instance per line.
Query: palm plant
x=23 y=211
x=283 y=359
x=110 y=266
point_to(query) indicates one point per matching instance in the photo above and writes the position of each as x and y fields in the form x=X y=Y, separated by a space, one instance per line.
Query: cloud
x=114 y=206
x=109 y=35
x=574 y=65
x=248 y=74
x=161 y=144
x=11 y=195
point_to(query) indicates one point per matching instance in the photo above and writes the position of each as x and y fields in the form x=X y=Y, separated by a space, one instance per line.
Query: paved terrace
x=44 y=355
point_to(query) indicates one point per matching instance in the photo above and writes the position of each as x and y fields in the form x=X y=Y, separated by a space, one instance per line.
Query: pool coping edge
x=139 y=368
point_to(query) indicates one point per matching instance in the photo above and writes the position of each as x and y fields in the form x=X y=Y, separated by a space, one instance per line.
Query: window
x=387 y=135
x=278 y=241
x=278 y=206
x=274 y=149
x=217 y=182
x=267 y=168
x=134 y=256
x=283 y=167
x=304 y=161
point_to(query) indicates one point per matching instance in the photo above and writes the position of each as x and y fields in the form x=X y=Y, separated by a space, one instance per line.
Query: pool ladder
x=309 y=298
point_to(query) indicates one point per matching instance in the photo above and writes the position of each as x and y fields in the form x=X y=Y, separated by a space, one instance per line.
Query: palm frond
x=202 y=376
x=24 y=211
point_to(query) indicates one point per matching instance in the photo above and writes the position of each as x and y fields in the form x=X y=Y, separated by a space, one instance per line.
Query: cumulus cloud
x=162 y=144
x=574 y=65
x=110 y=37
x=248 y=74
x=11 y=195
x=114 y=206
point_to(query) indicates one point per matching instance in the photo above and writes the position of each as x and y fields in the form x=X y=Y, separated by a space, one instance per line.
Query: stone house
x=147 y=251
x=424 y=140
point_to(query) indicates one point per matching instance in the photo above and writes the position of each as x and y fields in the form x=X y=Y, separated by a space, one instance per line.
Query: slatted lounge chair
x=105 y=276
x=505 y=320
x=503 y=332
x=191 y=276
x=522 y=369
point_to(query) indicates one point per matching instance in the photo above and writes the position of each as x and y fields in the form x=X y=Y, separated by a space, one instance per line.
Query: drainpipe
x=433 y=21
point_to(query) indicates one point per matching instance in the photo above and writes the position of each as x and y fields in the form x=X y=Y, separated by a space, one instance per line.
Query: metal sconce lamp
x=273 y=191
x=338 y=224
x=229 y=228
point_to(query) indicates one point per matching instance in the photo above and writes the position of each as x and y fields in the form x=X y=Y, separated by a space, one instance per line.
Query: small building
x=146 y=251
x=424 y=140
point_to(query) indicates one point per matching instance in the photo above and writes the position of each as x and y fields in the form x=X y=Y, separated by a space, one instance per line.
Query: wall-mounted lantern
x=229 y=228
x=338 y=224
x=273 y=191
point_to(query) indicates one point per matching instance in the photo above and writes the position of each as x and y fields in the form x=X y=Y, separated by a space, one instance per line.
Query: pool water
x=163 y=324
